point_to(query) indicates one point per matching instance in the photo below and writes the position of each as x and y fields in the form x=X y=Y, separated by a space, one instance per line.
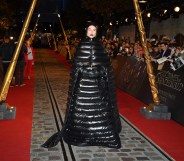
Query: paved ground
x=51 y=87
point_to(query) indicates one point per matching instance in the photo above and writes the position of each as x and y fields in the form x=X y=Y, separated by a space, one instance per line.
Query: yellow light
x=177 y=9
x=142 y=1
x=148 y=14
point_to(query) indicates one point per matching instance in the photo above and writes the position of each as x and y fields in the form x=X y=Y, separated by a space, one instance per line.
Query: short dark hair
x=165 y=43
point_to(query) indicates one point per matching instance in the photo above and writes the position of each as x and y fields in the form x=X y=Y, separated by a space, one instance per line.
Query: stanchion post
x=55 y=46
x=48 y=39
x=6 y=111
x=66 y=39
x=155 y=110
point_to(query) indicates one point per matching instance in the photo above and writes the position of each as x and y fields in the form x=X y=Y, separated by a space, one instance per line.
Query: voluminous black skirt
x=92 y=118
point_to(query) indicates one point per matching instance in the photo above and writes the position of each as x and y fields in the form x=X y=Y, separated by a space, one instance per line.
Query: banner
x=131 y=77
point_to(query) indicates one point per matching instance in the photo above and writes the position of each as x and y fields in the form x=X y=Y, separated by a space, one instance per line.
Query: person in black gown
x=92 y=117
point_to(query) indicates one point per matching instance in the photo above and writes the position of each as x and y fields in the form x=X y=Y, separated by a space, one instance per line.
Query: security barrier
x=131 y=77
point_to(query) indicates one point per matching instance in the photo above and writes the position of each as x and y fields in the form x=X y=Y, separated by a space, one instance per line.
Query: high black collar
x=91 y=39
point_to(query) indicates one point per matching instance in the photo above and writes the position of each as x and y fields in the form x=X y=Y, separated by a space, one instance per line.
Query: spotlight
x=110 y=23
x=126 y=20
x=177 y=9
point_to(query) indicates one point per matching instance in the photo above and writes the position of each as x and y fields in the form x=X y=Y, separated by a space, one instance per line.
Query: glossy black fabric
x=92 y=118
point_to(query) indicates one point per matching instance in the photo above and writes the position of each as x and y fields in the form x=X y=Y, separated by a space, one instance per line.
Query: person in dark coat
x=6 y=52
x=92 y=117
x=165 y=51
x=20 y=66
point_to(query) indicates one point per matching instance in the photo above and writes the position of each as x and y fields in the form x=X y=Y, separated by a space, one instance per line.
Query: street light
x=149 y=14
x=177 y=9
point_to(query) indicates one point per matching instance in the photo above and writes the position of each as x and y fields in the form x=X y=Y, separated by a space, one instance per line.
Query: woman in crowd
x=29 y=57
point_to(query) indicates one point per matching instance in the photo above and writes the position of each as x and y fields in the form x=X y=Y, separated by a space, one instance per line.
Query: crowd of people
x=160 y=51
x=163 y=50
x=24 y=62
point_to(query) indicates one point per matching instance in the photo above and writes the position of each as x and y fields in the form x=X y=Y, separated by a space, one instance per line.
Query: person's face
x=156 y=49
x=91 y=31
x=178 y=50
x=28 y=42
x=163 y=47
x=150 y=50
x=131 y=50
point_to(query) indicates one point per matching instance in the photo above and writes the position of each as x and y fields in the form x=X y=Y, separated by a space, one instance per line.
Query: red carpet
x=167 y=134
x=15 y=135
x=61 y=59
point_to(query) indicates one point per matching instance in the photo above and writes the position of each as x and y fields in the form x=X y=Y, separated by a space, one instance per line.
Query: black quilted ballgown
x=92 y=117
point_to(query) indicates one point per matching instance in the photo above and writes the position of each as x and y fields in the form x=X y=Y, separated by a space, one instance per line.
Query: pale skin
x=28 y=42
x=91 y=31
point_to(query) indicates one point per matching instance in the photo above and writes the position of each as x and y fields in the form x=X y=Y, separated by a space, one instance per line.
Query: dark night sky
x=48 y=9
x=69 y=10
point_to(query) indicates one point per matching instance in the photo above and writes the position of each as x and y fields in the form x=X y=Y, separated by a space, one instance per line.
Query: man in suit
x=165 y=51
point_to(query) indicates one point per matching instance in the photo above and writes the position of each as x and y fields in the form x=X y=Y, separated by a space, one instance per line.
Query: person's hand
x=154 y=60
x=170 y=60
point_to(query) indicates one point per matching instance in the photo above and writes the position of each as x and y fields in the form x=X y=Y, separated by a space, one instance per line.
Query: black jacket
x=6 y=51
x=92 y=118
